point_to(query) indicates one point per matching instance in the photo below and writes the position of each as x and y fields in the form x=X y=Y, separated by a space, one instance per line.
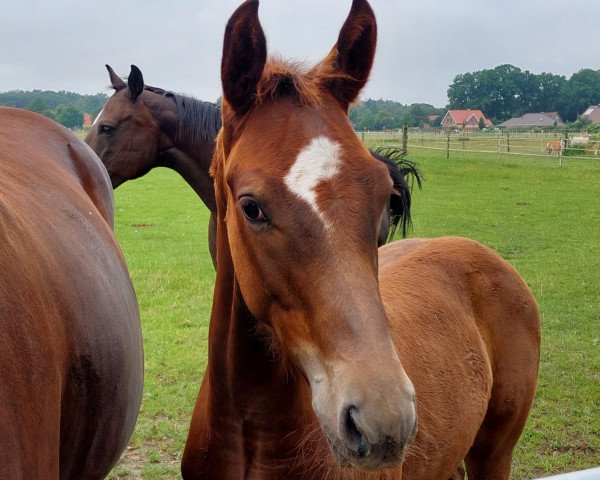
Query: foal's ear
x=115 y=80
x=244 y=57
x=135 y=82
x=345 y=71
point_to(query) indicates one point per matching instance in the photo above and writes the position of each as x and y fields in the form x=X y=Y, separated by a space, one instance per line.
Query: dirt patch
x=130 y=465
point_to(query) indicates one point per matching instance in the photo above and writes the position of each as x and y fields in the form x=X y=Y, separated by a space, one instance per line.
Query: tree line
x=67 y=108
x=506 y=92
x=378 y=115
x=500 y=93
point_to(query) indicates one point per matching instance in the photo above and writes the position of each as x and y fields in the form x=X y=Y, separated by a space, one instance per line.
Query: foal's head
x=128 y=134
x=301 y=199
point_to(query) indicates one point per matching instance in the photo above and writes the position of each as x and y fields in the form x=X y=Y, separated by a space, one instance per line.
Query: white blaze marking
x=317 y=162
x=97 y=117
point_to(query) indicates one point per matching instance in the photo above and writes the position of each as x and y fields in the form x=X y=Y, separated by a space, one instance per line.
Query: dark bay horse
x=71 y=370
x=329 y=359
x=142 y=127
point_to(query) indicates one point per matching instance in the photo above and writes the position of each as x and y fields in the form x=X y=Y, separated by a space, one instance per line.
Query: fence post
x=507 y=141
x=363 y=136
x=498 y=146
x=564 y=142
x=448 y=148
x=405 y=140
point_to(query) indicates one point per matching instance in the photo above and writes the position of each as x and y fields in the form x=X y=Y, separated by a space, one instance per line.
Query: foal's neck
x=255 y=384
x=260 y=406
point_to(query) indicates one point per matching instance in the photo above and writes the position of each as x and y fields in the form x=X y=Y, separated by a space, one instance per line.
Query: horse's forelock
x=286 y=79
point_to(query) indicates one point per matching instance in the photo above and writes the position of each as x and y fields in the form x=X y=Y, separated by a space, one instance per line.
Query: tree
x=384 y=120
x=582 y=122
x=506 y=91
x=498 y=92
x=481 y=123
x=69 y=116
x=579 y=92
x=48 y=101
x=37 y=104
x=549 y=87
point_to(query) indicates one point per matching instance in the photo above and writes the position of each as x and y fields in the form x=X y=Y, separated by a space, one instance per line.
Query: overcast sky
x=423 y=44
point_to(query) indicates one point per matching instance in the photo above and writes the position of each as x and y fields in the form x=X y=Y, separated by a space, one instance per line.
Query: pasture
x=542 y=218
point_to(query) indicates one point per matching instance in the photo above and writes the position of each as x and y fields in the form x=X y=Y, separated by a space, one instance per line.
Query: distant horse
x=71 y=370
x=142 y=127
x=325 y=353
x=554 y=146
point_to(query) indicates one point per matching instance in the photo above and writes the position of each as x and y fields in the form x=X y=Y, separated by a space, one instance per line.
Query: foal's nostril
x=357 y=442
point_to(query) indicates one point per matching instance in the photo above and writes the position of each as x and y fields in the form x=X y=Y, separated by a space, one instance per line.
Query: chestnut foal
x=325 y=353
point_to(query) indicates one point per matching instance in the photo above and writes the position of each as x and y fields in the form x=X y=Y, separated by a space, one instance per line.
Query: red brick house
x=467 y=119
x=87 y=120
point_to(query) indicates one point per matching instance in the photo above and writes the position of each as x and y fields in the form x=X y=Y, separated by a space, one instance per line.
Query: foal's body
x=472 y=352
x=329 y=358
x=450 y=303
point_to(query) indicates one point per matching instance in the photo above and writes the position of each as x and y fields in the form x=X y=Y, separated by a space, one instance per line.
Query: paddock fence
x=525 y=144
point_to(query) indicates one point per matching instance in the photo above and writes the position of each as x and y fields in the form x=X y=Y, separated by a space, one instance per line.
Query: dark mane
x=400 y=170
x=197 y=121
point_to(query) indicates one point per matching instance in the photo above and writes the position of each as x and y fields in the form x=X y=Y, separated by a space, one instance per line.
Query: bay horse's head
x=300 y=200
x=128 y=134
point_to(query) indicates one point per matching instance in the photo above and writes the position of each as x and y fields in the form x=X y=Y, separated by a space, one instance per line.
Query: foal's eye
x=106 y=129
x=252 y=210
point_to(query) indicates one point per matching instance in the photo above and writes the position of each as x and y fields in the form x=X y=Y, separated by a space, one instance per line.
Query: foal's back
x=463 y=322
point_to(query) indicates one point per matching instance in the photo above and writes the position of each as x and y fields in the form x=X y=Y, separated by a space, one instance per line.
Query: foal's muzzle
x=368 y=444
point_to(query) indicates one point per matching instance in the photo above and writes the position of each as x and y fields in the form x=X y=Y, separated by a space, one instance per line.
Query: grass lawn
x=542 y=218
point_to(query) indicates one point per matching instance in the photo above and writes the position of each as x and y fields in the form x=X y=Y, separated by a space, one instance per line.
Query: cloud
x=423 y=44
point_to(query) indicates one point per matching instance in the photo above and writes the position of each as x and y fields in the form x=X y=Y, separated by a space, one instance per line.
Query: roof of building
x=554 y=115
x=461 y=117
x=593 y=113
x=541 y=119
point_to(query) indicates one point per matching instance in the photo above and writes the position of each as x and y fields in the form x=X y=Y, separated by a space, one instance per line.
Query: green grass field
x=542 y=218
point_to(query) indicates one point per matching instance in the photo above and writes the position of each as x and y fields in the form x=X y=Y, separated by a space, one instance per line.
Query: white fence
x=573 y=146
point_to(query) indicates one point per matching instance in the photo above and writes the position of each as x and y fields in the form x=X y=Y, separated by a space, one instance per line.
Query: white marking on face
x=97 y=117
x=317 y=162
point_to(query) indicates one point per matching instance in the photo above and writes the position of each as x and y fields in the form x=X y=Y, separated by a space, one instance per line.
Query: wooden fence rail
x=495 y=143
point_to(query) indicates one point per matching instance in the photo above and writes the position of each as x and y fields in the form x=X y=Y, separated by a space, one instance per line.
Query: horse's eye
x=252 y=210
x=106 y=129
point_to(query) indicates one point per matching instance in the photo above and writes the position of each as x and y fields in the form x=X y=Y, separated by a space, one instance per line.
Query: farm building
x=87 y=119
x=532 y=120
x=467 y=119
x=593 y=113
